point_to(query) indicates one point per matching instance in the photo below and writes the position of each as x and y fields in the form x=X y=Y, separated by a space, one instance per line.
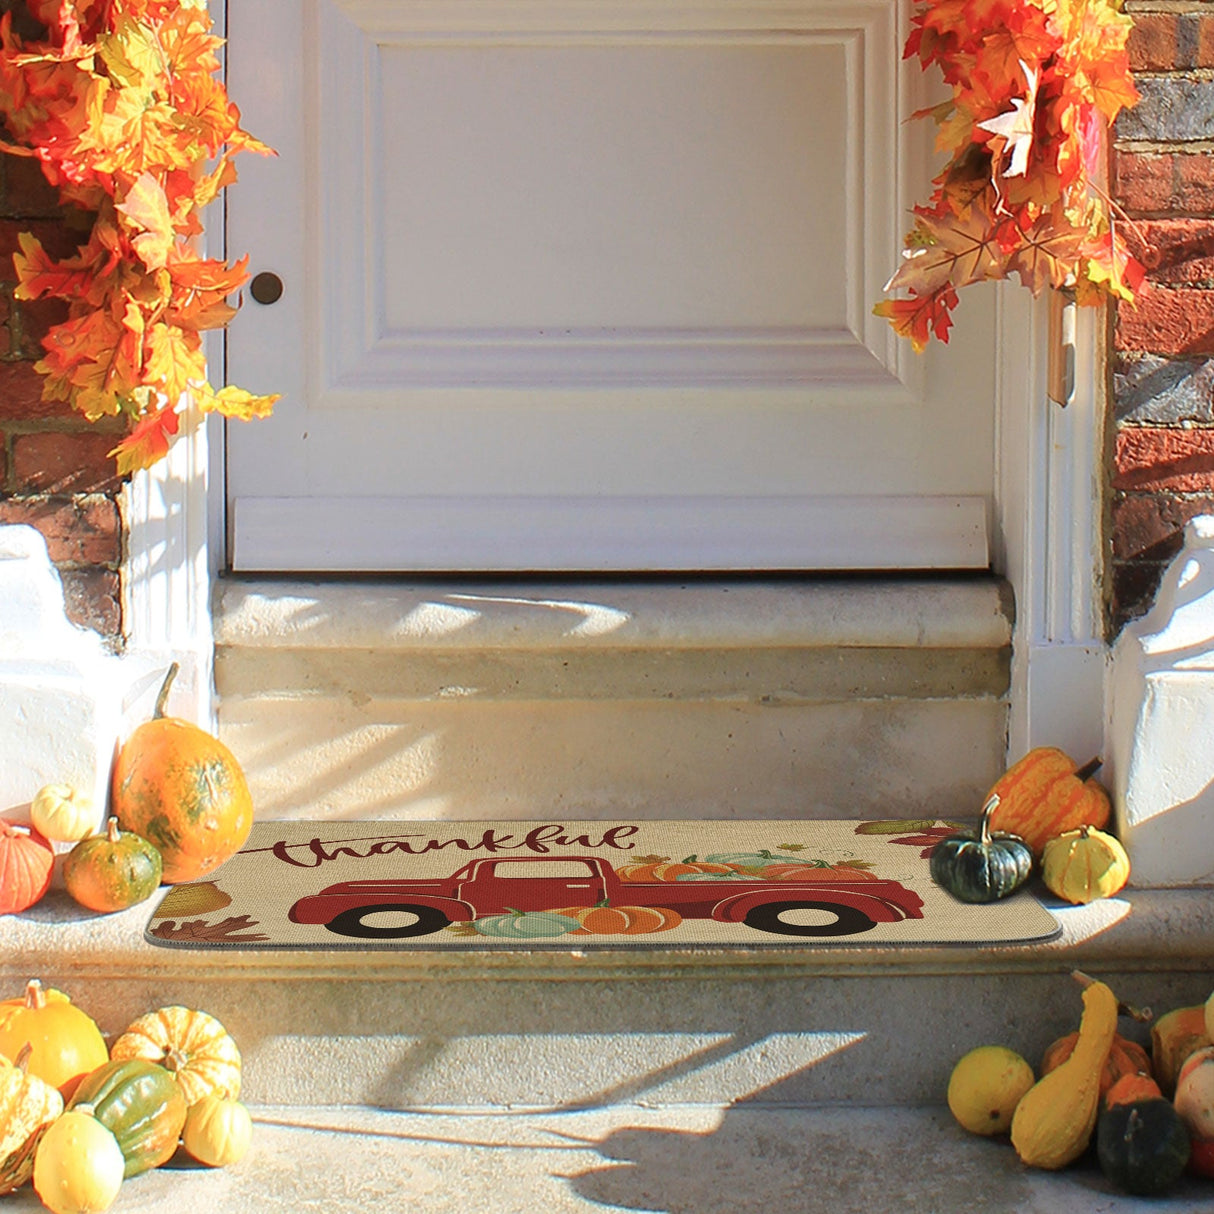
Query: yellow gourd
x=1054 y=1120
x=217 y=1131
x=79 y=1165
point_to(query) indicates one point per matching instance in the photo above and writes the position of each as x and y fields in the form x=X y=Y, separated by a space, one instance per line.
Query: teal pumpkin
x=526 y=925
x=981 y=865
x=752 y=859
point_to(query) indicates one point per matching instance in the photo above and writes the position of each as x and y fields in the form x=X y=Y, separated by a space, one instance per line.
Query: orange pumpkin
x=815 y=872
x=65 y=1043
x=668 y=870
x=182 y=790
x=604 y=920
x=26 y=860
x=1126 y=1057
x=1045 y=794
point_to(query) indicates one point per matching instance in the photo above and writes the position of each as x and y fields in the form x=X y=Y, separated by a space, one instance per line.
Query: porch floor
x=687 y=1160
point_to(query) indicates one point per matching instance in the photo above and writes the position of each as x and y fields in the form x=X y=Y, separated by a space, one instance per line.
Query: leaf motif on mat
x=231 y=928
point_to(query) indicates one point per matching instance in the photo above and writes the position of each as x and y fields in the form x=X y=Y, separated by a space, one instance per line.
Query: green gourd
x=1141 y=1142
x=1054 y=1120
x=141 y=1104
x=982 y=865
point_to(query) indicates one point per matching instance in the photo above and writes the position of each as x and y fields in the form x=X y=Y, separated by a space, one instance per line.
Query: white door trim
x=1048 y=533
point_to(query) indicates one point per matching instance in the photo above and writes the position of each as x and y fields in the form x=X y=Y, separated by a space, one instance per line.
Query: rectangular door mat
x=584 y=885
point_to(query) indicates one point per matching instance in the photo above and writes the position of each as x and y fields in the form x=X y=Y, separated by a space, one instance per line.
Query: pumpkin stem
x=984 y=829
x=162 y=697
x=112 y=830
x=174 y=1059
x=35 y=996
x=1089 y=769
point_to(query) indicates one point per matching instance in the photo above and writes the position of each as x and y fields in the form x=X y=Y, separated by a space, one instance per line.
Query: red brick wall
x=54 y=469
x=1163 y=372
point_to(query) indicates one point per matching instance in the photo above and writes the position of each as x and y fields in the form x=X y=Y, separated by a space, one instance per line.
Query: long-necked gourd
x=1054 y=1120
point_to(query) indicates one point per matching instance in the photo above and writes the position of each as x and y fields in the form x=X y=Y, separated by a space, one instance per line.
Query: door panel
x=573 y=285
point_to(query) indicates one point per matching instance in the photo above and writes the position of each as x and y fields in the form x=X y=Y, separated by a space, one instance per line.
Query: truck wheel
x=768 y=918
x=351 y=922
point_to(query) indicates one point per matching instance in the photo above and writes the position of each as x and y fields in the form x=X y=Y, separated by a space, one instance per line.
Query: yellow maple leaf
x=131 y=53
x=175 y=362
x=236 y=402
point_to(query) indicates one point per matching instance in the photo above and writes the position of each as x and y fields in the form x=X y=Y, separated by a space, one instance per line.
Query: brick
x=38 y=317
x=1205 y=42
x=1148 y=388
x=1154 y=42
x=78 y=531
x=1168 y=320
x=55 y=236
x=64 y=462
x=1143 y=181
x=27 y=193
x=1161 y=459
x=93 y=599
x=1174 y=250
x=21 y=394
x=1150 y=526
x=1195 y=184
x=1161 y=42
x=1172 y=109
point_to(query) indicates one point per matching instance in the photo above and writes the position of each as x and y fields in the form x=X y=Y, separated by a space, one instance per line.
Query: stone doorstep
x=702 y=1160
x=846 y=1025
x=472 y=699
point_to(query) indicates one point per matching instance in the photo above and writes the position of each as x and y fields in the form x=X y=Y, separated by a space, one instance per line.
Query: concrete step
x=709 y=698
x=624 y=1157
x=807 y=1027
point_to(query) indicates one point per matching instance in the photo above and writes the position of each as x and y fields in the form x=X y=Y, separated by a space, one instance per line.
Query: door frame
x=1048 y=530
x=1048 y=538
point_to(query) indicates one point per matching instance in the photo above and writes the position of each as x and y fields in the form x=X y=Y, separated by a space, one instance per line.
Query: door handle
x=266 y=287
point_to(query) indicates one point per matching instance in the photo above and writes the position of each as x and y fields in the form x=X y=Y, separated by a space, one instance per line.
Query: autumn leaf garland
x=123 y=110
x=1035 y=85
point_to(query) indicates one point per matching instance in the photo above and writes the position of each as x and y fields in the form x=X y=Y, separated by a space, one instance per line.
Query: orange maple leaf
x=148 y=442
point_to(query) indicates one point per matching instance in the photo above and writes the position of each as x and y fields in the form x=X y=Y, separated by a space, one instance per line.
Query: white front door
x=587 y=284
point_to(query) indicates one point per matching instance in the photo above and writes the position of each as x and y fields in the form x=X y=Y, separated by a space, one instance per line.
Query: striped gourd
x=1047 y=793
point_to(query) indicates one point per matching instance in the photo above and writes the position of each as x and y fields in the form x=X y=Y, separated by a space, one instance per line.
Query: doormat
x=577 y=886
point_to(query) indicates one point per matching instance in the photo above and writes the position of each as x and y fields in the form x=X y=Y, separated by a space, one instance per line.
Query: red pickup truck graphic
x=494 y=886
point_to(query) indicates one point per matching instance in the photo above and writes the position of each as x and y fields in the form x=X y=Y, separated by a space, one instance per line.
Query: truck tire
x=849 y=921
x=350 y=922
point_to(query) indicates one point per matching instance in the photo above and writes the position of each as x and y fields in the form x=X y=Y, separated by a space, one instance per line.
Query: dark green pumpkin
x=1143 y=1146
x=982 y=865
x=141 y=1104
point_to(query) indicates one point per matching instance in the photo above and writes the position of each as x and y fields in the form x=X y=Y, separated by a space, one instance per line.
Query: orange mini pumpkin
x=26 y=861
x=1126 y=1057
x=65 y=1042
x=1045 y=794
x=604 y=920
x=183 y=791
x=668 y=870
